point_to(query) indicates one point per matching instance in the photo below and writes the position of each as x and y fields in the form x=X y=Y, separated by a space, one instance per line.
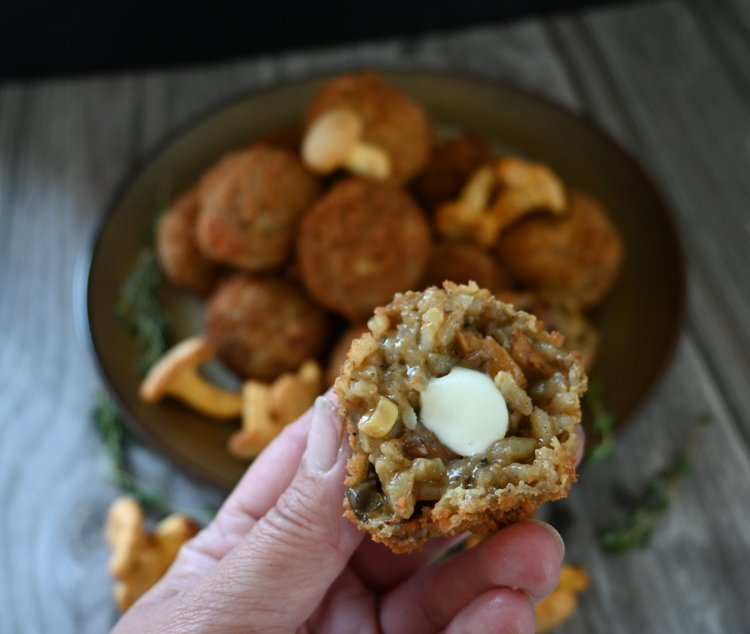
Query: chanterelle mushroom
x=125 y=533
x=526 y=187
x=334 y=140
x=269 y=408
x=458 y=219
x=176 y=374
x=518 y=188
x=139 y=559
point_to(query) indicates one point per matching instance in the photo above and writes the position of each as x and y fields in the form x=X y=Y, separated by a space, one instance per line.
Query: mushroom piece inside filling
x=465 y=410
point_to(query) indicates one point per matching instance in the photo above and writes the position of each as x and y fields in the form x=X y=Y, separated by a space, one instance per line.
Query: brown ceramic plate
x=640 y=321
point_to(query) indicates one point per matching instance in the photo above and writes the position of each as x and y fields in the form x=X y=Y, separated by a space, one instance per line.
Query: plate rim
x=84 y=303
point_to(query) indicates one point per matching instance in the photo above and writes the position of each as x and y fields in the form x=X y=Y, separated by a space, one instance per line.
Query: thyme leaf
x=139 y=310
x=114 y=435
x=603 y=423
x=636 y=528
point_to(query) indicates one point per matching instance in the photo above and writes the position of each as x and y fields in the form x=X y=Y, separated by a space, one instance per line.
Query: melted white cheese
x=465 y=410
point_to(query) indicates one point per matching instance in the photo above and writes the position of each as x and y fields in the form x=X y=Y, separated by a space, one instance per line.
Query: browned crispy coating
x=339 y=351
x=361 y=243
x=263 y=326
x=562 y=316
x=576 y=255
x=180 y=259
x=461 y=263
x=391 y=120
x=404 y=487
x=251 y=202
x=449 y=167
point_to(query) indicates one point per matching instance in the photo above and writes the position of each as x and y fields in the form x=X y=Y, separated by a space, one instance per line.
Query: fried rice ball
x=577 y=255
x=461 y=263
x=262 y=326
x=497 y=442
x=564 y=317
x=180 y=259
x=288 y=137
x=451 y=164
x=391 y=120
x=361 y=243
x=251 y=202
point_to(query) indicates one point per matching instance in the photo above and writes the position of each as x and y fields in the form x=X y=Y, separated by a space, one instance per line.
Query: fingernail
x=324 y=437
x=551 y=530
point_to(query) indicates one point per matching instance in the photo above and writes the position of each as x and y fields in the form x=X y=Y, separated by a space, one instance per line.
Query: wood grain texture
x=728 y=33
x=51 y=485
x=692 y=578
x=653 y=75
x=64 y=147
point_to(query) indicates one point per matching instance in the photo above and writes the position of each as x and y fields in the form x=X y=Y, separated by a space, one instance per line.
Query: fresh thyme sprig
x=636 y=528
x=139 y=310
x=603 y=423
x=114 y=435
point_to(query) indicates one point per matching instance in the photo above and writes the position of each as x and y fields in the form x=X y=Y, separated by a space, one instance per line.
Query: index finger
x=265 y=480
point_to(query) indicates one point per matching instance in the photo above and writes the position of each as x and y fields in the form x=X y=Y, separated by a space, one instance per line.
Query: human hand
x=279 y=557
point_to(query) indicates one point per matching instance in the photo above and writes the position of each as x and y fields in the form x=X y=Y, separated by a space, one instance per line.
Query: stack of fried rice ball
x=296 y=238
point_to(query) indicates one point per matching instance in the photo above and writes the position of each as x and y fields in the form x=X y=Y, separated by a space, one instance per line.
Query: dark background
x=44 y=37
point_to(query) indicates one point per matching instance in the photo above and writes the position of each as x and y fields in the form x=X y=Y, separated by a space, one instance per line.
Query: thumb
x=281 y=571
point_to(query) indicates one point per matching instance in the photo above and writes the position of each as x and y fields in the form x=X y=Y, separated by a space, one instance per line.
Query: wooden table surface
x=670 y=80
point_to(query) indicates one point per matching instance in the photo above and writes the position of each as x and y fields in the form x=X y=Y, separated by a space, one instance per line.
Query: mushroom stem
x=176 y=374
x=262 y=429
x=368 y=160
x=334 y=140
x=267 y=409
x=191 y=388
x=458 y=219
x=125 y=534
x=523 y=188
x=477 y=192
